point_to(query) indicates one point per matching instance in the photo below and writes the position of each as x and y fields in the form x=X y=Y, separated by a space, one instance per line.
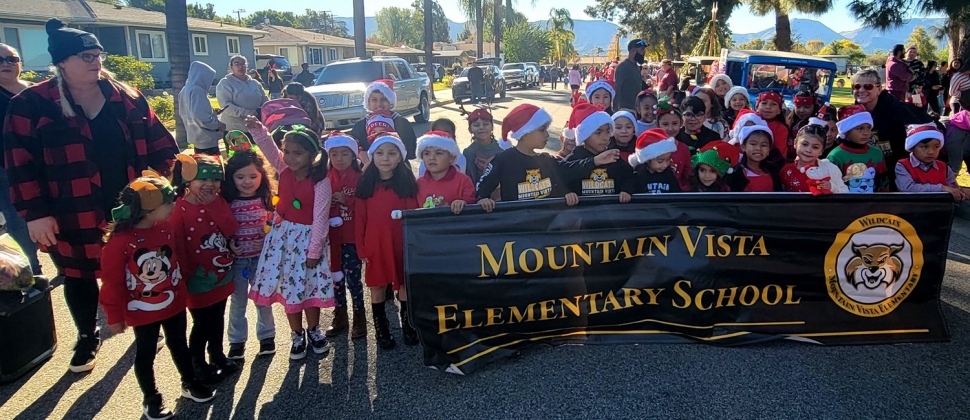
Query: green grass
x=841 y=97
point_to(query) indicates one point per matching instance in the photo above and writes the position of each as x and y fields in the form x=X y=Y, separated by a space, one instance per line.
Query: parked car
x=264 y=62
x=535 y=66
x=782 y=72
x=460 y=88
x=439 y=71
x=340 y=89
x=520 y=75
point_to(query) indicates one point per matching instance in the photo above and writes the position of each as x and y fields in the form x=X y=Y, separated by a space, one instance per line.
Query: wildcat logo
x=874 y=265
x=599 y=182
x=535 y=186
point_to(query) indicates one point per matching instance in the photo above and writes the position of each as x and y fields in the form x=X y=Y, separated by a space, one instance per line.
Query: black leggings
x=208 y=327
x=146 y=341
x=81 y=296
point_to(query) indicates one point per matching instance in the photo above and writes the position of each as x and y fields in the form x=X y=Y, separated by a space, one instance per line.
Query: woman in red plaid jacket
x=71 y=144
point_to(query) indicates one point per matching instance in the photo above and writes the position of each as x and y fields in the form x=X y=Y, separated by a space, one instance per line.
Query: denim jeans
x=243 y=270
x=16 y=226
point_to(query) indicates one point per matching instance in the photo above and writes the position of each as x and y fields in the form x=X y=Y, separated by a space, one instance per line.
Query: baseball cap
x=636 y=43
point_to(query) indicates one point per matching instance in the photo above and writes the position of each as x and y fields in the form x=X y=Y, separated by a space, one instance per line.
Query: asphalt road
x=778 y=380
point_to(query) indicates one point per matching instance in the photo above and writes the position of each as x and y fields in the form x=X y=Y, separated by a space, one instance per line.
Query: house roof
x=276 y=35
x=404 y=50
x=82 y=12
x=451 y=53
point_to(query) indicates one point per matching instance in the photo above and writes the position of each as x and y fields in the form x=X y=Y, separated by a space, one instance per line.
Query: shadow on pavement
x=42 y=406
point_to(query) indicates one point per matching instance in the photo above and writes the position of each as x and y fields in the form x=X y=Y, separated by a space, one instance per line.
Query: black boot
x=381 y=328
x=205 y=373
x=410 y=335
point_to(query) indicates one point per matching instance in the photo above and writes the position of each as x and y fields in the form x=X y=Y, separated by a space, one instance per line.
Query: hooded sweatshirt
x=238 y=99
x=201 y=123
x=957 y=143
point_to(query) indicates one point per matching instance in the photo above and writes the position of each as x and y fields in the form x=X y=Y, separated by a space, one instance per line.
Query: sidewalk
x=442 y=97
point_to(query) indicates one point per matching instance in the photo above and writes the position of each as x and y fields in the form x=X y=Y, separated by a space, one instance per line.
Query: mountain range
x=597 y=33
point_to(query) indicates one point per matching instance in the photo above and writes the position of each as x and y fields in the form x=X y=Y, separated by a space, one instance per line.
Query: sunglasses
x=867 y=86
x=11 y=60
x=89 y=58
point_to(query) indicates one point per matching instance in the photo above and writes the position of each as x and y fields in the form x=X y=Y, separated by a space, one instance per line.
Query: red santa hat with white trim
x=600 y=84
x=652 y=143
x=818 y=119
x=523 y=120
x=385 y=87
x=852 y=116
x=744 y=117
x=588 y=118
x=383 y=138
x=441 y=140
x=379 y=121
x=338 y=139
x=918 y=133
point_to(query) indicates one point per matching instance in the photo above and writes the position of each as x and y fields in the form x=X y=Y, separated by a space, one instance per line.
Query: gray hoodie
x=238 y=99
x=201 y=123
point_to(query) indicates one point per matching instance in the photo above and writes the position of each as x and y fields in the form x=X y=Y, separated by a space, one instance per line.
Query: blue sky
x=742 y=21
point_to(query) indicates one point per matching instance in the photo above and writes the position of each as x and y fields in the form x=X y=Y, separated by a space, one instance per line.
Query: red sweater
x=207 y=265
x=453 y=186
x=379 y=238
x=141 y=281
x=780 y=133
x=346 y=183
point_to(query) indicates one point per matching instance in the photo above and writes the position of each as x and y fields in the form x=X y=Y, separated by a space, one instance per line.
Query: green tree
x=781 y=9
x=846 y=47
x=396 y=27
x=465 y=34
x=814 y=46
x=153 y=5
x=756 y=44
x=198 y=11
x=525 y=42
x=884 y=14
x=321 y=22
x=130 y=70
x=474 y=9
x=562 y=38
x=877 y=58
x=275 y=18
x=439 y=23
x=925 y=44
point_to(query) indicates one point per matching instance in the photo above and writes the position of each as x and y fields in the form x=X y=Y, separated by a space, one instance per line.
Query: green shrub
x=164 y=108
x=33 y=76
x=128 y=69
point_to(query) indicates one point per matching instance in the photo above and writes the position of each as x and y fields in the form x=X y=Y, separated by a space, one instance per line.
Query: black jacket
x=656 y=182
x=609 y=179
x=524 y=177
x=401 y=125
x=890 y=118
x=305 y=78
x=705 y=136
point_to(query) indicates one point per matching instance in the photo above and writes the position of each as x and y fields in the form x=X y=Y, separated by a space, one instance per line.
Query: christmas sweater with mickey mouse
x=204 y=231
x=141 y=279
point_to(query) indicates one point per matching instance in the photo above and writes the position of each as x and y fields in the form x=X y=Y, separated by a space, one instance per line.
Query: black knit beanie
x=63 y=42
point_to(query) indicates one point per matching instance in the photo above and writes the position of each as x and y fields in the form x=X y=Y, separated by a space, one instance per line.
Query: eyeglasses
x=692 y=116
x=12 y=59
x=867 y=86
x=89 y=58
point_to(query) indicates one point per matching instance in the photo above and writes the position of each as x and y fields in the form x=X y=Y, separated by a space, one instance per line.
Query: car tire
x=424 y=110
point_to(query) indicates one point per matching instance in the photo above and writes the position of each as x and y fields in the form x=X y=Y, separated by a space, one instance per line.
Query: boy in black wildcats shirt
x=593 y=130
x=651 y=161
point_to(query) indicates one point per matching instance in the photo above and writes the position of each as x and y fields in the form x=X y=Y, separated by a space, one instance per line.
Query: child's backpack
x=281 y=114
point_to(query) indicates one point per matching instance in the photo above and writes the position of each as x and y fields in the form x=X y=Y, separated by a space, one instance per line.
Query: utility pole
x=360 y=32
x=429 y=44
x=239 y=13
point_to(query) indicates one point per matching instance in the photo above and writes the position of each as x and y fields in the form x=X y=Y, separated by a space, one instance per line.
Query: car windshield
x=280 y=63
x=362 y=72
x=513 y=67
x=788 y=79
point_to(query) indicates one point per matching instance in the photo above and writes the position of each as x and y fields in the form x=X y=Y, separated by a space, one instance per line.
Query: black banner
x=723 y=269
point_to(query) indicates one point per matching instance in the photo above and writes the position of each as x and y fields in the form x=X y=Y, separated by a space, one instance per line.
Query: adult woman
x=932 y=86
x=274 y=84
x=255 y=75
x=575 y=78
x=11 y=85
x=87 y=135
x=959 y=83
x=309 y=104
x=890 y=116
x=293 y=90
x=947 y=77
x=239 y=95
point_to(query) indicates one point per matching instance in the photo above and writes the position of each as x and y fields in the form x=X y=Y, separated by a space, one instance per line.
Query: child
x=808 y=173
x=601 y=92
x=651 y=162
x=248 y=189
x=958 y=135
x=379 y=124
x=443 y=184
x=459 y=162
x=142 y=288
x=203 y=221
x=567 y=139
x=769 y=109
x=646 y=111
x=735 y=100
x=522 y=174
x=745 y=118
x=344 y=175
x=695 y=134
x=754 y=172
x=712 y=111
x=202 y=126
x=294 y=266
x=855 y=130
x=380 y=99
x=711 y=164
x=670 y=121
x=624 y=133
x=484 y=147
x=826 y=117
x=445 y=125
x=386 y=185
x=922 y=172
x=593 y=129
x=804 y=103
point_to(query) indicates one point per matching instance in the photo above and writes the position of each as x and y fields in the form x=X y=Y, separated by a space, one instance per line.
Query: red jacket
x=141 y=282
x=453 y=186
x=346 y=183
x=379 y=237
x=780 y=133
x=207 y=261
x=51 y=172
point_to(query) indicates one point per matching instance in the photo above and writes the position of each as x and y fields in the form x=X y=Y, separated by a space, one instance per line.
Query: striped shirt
x=959 y=83
x=252 y=217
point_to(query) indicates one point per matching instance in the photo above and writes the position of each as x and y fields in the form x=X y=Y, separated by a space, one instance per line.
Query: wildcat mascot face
x=533 y=176
x=598 y=175
x=874 y=265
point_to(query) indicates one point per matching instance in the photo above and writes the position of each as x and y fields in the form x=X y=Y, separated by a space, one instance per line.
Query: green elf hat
x=720 y=155
x=238 y=141
x=194 y=170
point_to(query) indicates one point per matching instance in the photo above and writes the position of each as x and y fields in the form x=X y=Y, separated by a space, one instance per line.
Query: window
x=232 y=43
x=151 y=46
x=11 y=37
x=404 y=69
x=332 y=55
x=200 y=44
x=257 y=50
x=285 y=52
x=314 y=56
x=390 y=71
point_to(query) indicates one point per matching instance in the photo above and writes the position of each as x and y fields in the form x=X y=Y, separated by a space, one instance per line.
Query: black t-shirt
x=656 y=182
x=524 y=177
x=111 y=156
x=697 y=141
x=475 y=74
x=609 y=179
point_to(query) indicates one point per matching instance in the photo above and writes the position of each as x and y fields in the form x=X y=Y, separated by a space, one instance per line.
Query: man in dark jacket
x=305 y=78
x=627 y=75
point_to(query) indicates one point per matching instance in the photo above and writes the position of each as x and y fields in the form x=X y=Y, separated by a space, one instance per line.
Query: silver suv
x=520 y=75
x=339 y=89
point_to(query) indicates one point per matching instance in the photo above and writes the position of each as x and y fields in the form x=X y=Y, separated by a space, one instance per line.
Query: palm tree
x=781 y=9
x=474 y=10
x=177 y=37
x=559 y=19
x=497 y=27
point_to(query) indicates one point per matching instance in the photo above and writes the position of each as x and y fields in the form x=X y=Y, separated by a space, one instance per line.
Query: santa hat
x=744 y=117
x=441 y=140
x=386 y=138
x=600 y=84
x=771 y=95
x=479 y=114
x=338 y=139
x=747 y=131
x=650 y=144
x=379 y=121
x=385 y=87
x=852 y=116
x=624 y=114
x=737 y=90
x=819 y=118
x=720 y=155
x=722 y=77
x=917 y=133
x=587 y=119
x=523 y=120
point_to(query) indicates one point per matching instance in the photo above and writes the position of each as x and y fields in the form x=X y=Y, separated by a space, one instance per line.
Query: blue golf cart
x=783 y=72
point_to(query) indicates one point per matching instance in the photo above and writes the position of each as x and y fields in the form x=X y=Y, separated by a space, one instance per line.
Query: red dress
x=346 y=183
x=380 y=239
x=208 y=263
